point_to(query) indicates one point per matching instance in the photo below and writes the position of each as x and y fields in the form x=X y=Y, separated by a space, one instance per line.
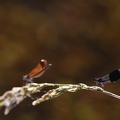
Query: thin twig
x=12 y=98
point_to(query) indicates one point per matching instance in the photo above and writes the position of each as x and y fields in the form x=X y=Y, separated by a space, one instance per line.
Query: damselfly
x=113 y=76
x=38 y=71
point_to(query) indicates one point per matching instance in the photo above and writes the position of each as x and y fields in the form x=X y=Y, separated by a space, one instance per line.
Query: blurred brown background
x=81 y=38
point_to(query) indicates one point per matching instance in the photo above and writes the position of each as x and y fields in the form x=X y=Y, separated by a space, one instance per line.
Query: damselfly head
x=100 y=81
x=37 y=71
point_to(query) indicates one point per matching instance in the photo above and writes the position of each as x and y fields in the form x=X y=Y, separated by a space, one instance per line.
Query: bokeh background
x=81 y=38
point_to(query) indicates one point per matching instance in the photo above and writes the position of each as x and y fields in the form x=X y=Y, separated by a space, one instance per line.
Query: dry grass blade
x=12 y=98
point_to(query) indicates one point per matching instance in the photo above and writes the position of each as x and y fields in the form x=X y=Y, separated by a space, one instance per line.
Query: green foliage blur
x=81 y=38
